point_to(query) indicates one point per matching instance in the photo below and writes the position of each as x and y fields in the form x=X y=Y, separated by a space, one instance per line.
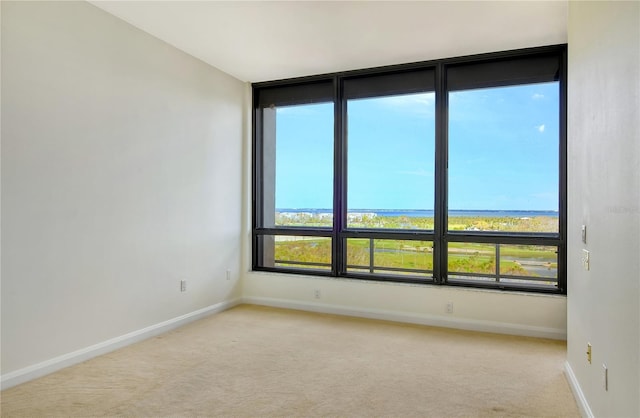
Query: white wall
x=483 y=310
x=121 y=175
x=604 y=194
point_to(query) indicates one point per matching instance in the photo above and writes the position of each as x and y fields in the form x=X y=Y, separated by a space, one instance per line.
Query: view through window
x=398 y=175
x=503 y=176
x=390 y=161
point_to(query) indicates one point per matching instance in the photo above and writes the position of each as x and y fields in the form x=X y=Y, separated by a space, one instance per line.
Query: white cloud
x=541 y=128
x=537 y=96
x=424 y=99
x=422 y=104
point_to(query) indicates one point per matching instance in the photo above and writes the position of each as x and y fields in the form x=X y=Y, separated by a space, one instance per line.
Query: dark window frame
x=440 y=236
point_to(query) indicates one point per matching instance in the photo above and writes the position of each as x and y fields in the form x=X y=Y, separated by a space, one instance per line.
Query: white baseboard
x=421 y=319
x=49 y=366
x=581 y=400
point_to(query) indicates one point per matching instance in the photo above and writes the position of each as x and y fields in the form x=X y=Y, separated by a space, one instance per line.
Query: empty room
x=320 y=208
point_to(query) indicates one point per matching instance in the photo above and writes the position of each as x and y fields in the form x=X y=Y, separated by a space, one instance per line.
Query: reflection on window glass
x=503 y=158
x=386 y=256
x=390 y=161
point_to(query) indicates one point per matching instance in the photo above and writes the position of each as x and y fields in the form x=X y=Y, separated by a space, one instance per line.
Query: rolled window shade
x=317 y=92
x=504 y=72
x=405 y=82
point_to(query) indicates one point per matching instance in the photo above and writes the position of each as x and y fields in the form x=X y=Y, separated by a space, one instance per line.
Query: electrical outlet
x=589 y=352
x=183 y=285
x=316 y=293
x=449 y=308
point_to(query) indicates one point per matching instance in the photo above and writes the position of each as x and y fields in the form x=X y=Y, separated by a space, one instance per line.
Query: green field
x=461 y=223
x=408 y=255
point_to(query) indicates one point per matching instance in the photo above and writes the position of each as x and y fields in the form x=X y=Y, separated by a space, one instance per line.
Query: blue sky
x=503 y=151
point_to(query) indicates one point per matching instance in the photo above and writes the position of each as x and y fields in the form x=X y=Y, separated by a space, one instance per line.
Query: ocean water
x=429 y=213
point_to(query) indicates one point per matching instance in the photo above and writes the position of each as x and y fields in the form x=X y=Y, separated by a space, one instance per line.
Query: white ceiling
x=269 y=40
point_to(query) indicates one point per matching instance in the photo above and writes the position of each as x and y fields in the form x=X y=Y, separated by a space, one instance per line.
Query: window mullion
x=562 y=190
x=440 y=201
x=338 y=264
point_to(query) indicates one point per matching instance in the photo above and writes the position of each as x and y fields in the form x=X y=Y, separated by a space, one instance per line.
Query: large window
x=450 y=172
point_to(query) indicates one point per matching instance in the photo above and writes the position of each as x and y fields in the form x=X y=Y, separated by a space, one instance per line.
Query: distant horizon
x=329 y=210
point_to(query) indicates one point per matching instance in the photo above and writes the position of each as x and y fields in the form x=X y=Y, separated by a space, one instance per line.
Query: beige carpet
x=257 y=362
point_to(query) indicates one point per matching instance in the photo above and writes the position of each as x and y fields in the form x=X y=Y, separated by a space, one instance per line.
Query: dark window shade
x=389 y=84
x=296 y=94
x=498 y=73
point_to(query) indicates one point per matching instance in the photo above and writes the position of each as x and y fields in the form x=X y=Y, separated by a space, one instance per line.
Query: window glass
x=503 y=263
x=390 y=166
x=504 y=159
x=533 y=261
x=387 y=256
x=298 y=165
x=472 y=258
x=299 y=252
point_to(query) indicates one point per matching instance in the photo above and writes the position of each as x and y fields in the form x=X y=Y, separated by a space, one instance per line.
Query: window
x=390 y=150
x=450 y=172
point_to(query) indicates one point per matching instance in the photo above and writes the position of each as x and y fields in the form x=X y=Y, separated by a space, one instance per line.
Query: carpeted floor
x=259 y=362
